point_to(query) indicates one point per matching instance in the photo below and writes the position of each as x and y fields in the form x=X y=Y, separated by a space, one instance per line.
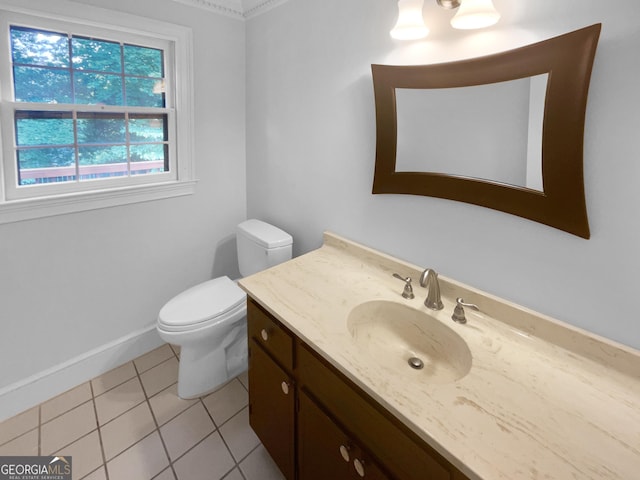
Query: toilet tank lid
x=264 y=234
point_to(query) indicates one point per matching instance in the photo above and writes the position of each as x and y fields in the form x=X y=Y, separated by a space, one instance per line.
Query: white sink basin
x=395 y=336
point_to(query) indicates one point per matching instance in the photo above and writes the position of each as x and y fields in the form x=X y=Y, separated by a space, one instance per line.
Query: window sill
x=18 y=210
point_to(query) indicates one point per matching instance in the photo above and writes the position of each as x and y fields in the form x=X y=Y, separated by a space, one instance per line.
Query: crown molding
x=241 y=9
x=253 y=8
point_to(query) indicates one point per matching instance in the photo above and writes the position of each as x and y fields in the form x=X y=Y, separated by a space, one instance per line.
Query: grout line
x=225 y=441
x=75 y=439
x=23 y=434
x=194 y=446
x=103 y=465
x=216 y=430
x=140 y=372
x=228 y=474
x=131 y=446
x=215 y=424
x=168 y=468
x=94 y=471
x=218 y=427
x=104 y=456
x=177 y=414
x=64 y=413
x=155 y=420
x=241 y=472
x=232 y=417
x=247 y=456
x=197 y=443
x=119 y=415
x=69 y=409
x=39 y=429
x=115 y=386
x=148 y=370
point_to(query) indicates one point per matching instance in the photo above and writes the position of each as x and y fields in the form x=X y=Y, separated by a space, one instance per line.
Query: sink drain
x=415 y=362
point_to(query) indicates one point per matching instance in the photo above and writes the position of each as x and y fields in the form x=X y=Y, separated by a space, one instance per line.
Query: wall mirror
x=503 y=131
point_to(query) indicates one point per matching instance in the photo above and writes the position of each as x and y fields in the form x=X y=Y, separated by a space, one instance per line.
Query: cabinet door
x=402 y=456
x=272 y=408
x=325 y=451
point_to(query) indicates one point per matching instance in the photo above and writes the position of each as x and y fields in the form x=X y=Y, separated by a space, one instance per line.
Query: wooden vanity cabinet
x=272 y=396
x=326 y=451
x=326 y=427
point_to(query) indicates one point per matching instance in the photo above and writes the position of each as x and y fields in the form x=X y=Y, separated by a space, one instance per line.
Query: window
x=92 y=112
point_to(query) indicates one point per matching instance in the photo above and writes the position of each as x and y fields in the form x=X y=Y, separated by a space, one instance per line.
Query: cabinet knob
x=359 y=466
x=344 y=451
x=285 y=387
x=264 y=334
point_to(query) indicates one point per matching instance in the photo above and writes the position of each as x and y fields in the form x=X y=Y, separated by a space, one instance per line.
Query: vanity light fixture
x=472 y=14
x=475 y=14
x=410 y=24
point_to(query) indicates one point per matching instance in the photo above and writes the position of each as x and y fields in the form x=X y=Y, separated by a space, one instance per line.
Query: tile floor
x=129 y=424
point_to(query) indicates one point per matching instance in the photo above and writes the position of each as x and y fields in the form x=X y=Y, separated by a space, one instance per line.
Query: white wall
x=72 y=283
x=311 y=149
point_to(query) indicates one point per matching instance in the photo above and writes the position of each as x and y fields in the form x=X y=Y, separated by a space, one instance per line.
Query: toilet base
x=202 y=371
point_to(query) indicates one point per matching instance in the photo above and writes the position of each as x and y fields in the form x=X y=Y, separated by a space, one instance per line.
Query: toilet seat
x=204 y=304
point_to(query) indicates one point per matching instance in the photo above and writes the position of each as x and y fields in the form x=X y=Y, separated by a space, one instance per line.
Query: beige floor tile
x=244 y=379
x=99 y=474
x=239 y=436
x=176 y=349
x=209 y=460
x=26 y=444
x=86 y=454
x=142 y=461
x=225 y=402
x=67 y=428
x=118 y=400
x=113 y=378
x=160 y=377
x=153 y=358
x=187 y=429
x=234 y=475
x=166 y=404
x=166 y=475
x=127 y=429
x=15 y=426
x=65 y=402
x=260 y=466
x=127 y=432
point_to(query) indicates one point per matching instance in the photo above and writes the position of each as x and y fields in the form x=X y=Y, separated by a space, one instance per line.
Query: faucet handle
x=408 y=289
x=458 y=311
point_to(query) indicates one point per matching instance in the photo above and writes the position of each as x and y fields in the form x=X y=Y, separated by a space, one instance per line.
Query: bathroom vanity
x=341 y=431
x=512 y=394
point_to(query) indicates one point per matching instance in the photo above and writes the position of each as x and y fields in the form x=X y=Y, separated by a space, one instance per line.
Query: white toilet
x=209 y=321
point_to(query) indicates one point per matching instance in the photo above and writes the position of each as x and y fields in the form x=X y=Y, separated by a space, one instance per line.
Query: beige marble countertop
x=542 y=400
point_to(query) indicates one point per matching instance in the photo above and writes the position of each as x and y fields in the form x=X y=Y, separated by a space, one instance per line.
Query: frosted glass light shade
x=410 y=24
x=475 y=14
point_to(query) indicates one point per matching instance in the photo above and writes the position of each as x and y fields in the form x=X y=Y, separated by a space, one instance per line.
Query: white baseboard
x=44 y=385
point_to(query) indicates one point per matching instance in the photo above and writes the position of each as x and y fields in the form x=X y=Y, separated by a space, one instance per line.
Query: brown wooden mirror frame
x=568 y=60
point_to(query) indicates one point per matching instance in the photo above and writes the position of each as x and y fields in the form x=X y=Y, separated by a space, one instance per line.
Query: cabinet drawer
x=270 y=335
x=402 y=453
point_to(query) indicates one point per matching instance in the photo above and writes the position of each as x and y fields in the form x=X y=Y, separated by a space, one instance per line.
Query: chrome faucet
x=429 y=279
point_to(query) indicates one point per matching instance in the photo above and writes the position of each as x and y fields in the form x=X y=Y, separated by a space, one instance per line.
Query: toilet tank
x=260 y=246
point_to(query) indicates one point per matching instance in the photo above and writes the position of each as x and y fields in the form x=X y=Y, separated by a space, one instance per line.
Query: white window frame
x=54 y=199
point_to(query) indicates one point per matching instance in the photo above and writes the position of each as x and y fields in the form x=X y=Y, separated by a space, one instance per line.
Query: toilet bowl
x=209 y=321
